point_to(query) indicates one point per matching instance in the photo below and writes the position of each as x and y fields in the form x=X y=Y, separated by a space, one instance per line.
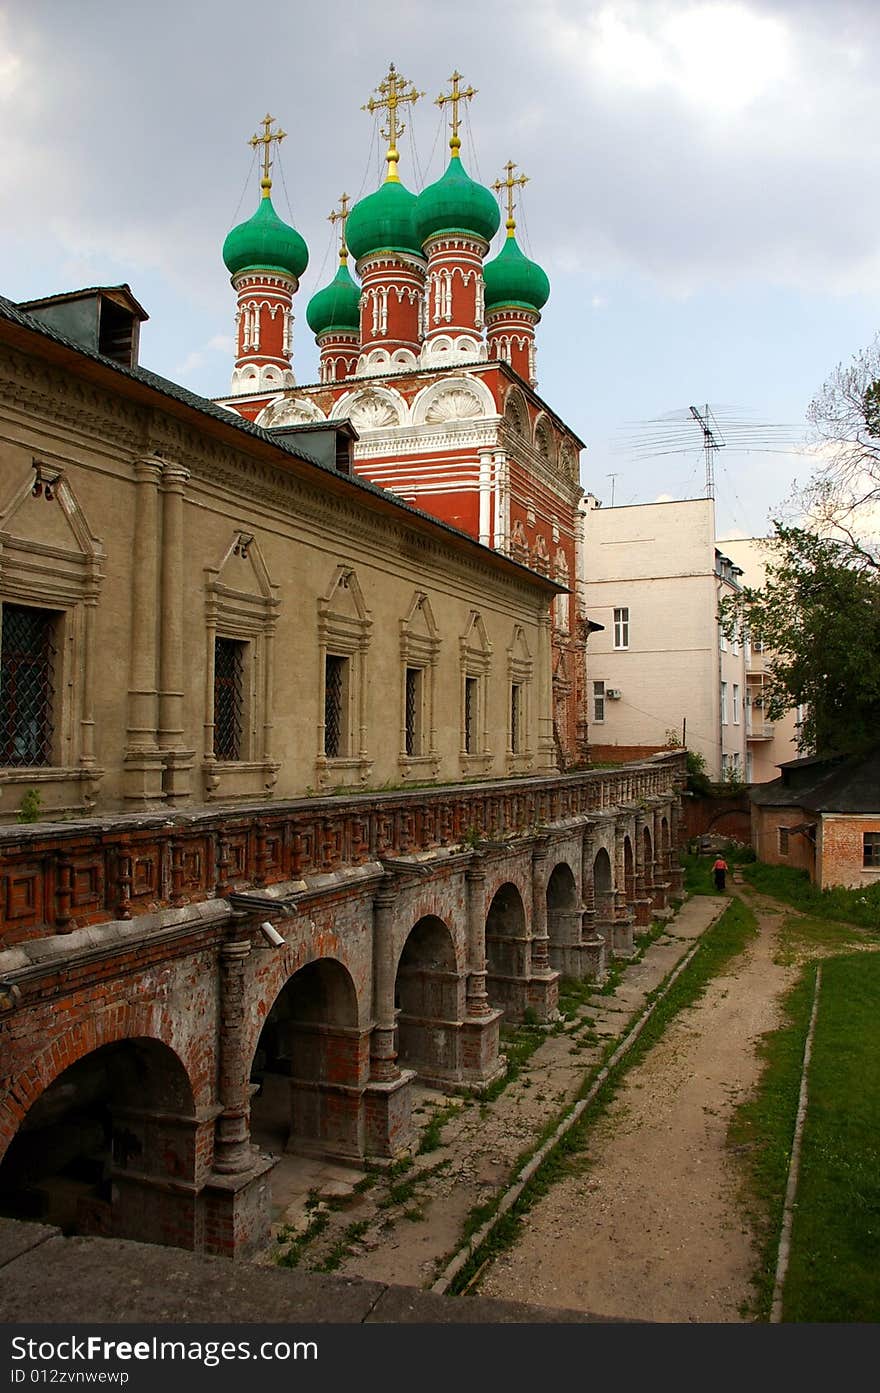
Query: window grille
x=413 y=676
x=783 y=840
x=871 y=853
x=470 y=714
x=228 y=697
x=515 y=717
x=333 y=710
x=27 y=694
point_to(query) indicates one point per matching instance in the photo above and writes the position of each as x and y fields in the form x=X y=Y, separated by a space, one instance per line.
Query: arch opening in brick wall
x=563 y=910
x=101 y=1140
x=507 y=943
x=310 y=1057
x=603 y=884
x=429 y=1001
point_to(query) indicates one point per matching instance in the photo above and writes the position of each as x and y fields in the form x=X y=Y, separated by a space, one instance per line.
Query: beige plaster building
x=196 y=609
x=660 y=669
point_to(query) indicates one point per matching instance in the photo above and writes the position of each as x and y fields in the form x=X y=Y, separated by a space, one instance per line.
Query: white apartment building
x=769 y=743
x=654 y=578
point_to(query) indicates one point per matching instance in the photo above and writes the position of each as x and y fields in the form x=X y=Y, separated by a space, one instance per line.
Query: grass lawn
x=794 y=887
x=834 y=1273
x=834 y=1270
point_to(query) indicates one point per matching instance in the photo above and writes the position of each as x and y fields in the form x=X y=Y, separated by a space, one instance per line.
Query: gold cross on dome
x=393 y=93
x=455 y=96
x=340 y=215
x=510 y=183
x=266 y=140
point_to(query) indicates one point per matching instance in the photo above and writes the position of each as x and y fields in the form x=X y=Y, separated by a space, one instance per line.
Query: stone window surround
x=420 y=651
x=66 y=582
x=475 y=661
x=344 y=636
x=251 y=620
x=520 y=668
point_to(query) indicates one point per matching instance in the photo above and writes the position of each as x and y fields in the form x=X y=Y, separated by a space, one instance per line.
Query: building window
x=722 y=641
x=724 y=703
x=471 y=715
x=419 y=652
x=782 y=833
x=621 y=628
x=335 y=701
x=598 y=701
x=344 y=630
x=735 y=704
x=27 y=686
x=228 y=698
x=476 y=661
x=871 y=850
x=515 y=718
x=413 y=711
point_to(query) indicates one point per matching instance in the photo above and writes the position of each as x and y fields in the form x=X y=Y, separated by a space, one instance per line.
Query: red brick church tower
x=432 y=359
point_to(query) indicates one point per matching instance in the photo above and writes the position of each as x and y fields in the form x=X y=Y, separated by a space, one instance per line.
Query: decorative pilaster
x=477 y=998
x=540 y=936
x=143 y=760
x=177 y=760
x=383 y=1055
x=232 y=1149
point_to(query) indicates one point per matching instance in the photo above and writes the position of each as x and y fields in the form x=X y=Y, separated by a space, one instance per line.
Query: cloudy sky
x=704 y=187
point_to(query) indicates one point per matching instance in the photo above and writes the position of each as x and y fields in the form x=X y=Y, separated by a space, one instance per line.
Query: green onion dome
x=384 y=221
x=337 y=306
x=512 y=279
x=456 y=203
x=265 y=243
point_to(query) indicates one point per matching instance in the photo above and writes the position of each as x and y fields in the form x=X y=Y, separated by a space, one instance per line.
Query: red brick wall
x=765 y=837
x=842 y=851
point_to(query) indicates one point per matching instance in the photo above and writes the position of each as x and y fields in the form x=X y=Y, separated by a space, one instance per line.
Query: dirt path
x=652 y=1228
x=401 y=1229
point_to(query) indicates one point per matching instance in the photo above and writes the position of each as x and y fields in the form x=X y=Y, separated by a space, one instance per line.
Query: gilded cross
x=510 y=183
x=341 y=215
x=393 y=93
x=266 y=140
x=455 y=96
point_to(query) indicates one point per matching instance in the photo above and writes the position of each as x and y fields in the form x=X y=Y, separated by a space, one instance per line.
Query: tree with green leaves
x=818 y=617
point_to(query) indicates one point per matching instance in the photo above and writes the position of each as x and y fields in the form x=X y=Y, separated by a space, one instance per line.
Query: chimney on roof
x=103 y=319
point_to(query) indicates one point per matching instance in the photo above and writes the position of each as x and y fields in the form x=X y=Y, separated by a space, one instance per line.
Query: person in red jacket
x=720 y=871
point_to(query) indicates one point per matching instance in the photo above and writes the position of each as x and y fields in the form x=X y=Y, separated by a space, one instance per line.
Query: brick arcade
x=142 y=1004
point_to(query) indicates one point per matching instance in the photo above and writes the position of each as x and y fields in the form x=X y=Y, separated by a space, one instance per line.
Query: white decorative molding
x=289 y=411
x=372 y=408
x=453 y=399
x=444 y=351
x=250 y=378
x=379 y=362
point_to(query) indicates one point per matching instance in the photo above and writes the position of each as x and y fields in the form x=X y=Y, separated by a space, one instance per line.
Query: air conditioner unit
x=613 y=693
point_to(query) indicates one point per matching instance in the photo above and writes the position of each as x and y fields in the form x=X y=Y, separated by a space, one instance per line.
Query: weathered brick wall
x=765 y=837
x=842 y=843
x=720 y=817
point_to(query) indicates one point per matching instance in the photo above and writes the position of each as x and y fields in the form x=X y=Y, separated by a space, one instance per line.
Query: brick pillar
x=540 y=936
x=232 y=1146
x=477 y=998
x=383 y=1055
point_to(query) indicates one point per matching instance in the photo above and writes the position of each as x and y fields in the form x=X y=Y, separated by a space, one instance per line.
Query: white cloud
x=719 y=57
